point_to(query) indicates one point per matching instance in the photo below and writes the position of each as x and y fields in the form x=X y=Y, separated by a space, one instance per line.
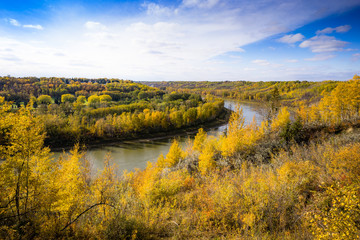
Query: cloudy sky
x=256 y=40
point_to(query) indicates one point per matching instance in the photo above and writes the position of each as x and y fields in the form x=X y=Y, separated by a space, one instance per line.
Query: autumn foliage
x=247 y=184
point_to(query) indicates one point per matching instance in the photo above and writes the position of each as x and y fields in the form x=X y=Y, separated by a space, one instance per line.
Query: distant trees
x=20 y=90
x=290 y=92
x=82 y=110
x=67 y=98
x=81 y=99
x=342 y=103
x=44 y=99
x=93 y=101
x=105 y=98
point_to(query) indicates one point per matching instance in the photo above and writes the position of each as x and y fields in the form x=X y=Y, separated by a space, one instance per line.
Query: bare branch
x=88 y=209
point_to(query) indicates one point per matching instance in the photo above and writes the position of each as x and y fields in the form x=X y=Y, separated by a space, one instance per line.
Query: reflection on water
x=129 y=155
x=249 y=110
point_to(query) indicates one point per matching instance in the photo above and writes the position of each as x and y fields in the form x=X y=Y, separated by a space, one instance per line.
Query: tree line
x=74 y=110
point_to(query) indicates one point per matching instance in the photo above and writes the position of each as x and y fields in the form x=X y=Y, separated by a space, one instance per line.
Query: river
x=129 y=155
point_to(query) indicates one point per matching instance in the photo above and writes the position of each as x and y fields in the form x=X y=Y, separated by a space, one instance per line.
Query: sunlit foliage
x=247 y=184
x=282 y=118
x=88 y=110
x=175 y=155
x=343 y=103
x=238 y=136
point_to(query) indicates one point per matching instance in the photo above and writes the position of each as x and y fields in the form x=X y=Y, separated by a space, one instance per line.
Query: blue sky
x=258 y=40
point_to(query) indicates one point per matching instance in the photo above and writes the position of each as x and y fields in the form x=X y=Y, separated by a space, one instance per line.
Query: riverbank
x=221 y=120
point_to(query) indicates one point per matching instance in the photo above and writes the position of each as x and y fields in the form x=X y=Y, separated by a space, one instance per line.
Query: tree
x=26 y=168
x=94 y=101
x=207 y=156
x=199 y=140
x=105 y=98
x=44 y=99
x=281 y=120
x=81 y=99
x=232 y=142
x=67 y=98
x=275 y=100
x=174 y=155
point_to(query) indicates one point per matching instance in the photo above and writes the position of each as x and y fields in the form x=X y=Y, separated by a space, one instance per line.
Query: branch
x=5 y=206
x=17 y=215
x=88 y=209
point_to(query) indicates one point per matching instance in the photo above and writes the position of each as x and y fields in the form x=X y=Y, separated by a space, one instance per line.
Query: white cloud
x=292 y=60
x=200 y=3
x=291 y=38
x=30 y=55
x=266 y=63
x=178 y=44
x=261 y=62
x=90 y=25
x=340 y=29
x=320 y=57
x=157 y=10
x=356 y=56
x=249 y=69
x=14 y=22
x=38 y=27
x=324 y=43
x=343 y=29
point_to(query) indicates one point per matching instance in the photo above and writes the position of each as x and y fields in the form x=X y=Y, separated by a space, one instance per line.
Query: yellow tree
x=354 y=95
x=70 y=195
x=174 y=155
x=199 y=140
x=342 y=103
x=207 y=155
x=241 y=137
x=104 y=190
x=25 y=168
x=231 y=143
x=281 y=119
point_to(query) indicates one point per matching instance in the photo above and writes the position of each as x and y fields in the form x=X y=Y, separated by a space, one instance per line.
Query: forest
x=98 y=110
x=296 y=175
x=291 y=92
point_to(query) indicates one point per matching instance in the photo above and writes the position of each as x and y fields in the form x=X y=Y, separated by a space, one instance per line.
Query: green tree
x=105 y=98
x=81 y=99
x=94 y=101
x=44 y=99
x=274 y=101
x=67 y=98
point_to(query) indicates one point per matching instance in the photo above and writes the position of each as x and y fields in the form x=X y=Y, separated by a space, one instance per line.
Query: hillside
x=282 y=179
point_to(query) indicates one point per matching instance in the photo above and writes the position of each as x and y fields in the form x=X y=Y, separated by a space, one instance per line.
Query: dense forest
x=94 y=110
x=290 y=177
x=291 y=92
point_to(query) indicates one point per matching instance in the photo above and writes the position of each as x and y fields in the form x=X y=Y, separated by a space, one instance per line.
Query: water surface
x=129 y=155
